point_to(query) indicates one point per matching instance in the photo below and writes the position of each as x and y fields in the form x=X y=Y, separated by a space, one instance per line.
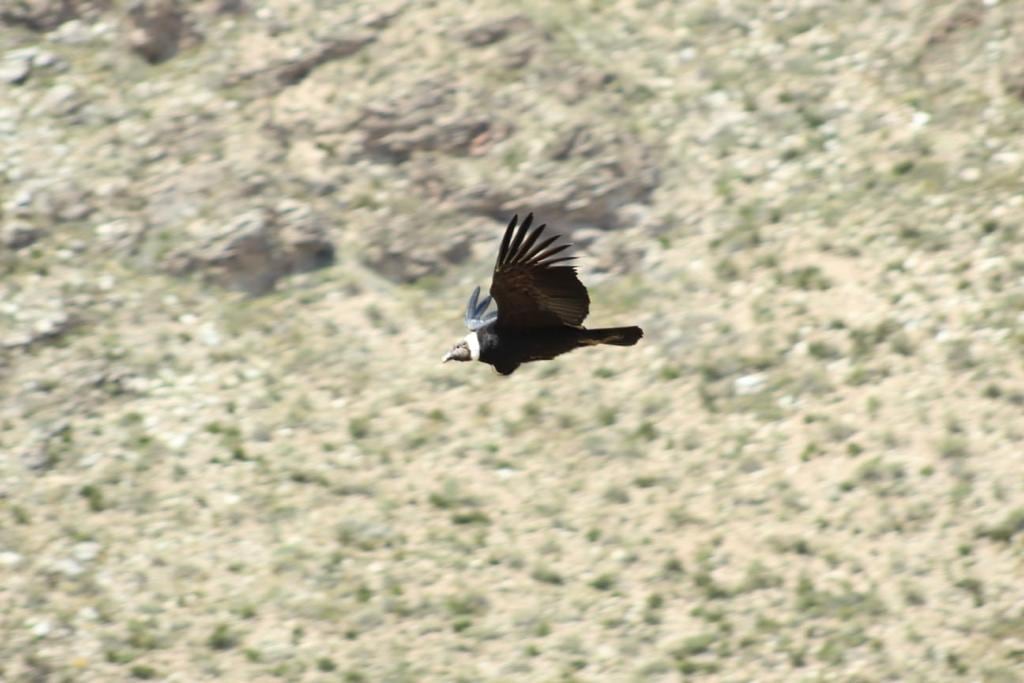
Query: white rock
x=68 y=567
x=61 y=99
x=86 y=551
x=209 y=335
x=920 y=119
x=74 y=32
x=1007 y=158
x=749 y=384
x=15 y=69
x=9 y=559
x=43 y=58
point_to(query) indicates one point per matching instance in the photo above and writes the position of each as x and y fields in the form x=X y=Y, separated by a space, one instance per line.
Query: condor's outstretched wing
x=531 y=286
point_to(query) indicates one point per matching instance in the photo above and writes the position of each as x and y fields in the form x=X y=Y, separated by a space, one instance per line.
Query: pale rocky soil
x=238 y=236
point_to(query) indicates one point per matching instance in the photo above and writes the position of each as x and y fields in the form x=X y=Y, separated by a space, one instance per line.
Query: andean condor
x=541 y=307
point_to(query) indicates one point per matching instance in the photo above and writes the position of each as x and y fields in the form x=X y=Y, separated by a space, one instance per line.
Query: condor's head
x=477 y=316
x=467 y=349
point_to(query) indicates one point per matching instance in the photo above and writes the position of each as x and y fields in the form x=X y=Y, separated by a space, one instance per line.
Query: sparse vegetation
x=545 y=574
x=1006 y=529
x=223 y=638
x=228 y=450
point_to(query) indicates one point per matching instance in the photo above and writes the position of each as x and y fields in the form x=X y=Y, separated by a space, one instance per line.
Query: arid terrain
x=236 y=238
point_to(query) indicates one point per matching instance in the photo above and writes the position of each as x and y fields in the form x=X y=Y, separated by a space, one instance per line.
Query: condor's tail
x=616 y=336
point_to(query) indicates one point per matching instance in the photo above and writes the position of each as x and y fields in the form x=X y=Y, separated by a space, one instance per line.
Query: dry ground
x=237 y=240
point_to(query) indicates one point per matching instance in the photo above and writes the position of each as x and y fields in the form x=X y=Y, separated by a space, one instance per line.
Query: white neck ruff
x=474 y=345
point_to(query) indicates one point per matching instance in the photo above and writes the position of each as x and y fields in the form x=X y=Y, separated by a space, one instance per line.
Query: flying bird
x=541 y=306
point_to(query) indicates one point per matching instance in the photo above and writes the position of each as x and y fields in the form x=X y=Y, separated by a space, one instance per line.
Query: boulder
x=257 y=248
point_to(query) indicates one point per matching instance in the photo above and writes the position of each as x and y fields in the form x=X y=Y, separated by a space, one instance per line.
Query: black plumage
x=541 y=306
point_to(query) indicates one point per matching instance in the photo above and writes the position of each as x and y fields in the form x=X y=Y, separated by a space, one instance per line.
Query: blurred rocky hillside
x=237 y=236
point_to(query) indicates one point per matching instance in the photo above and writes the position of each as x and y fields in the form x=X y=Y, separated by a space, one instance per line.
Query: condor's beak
x=447 y=357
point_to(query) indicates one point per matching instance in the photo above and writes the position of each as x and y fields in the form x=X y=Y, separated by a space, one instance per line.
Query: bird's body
x=541 y=307
x=507 y=350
